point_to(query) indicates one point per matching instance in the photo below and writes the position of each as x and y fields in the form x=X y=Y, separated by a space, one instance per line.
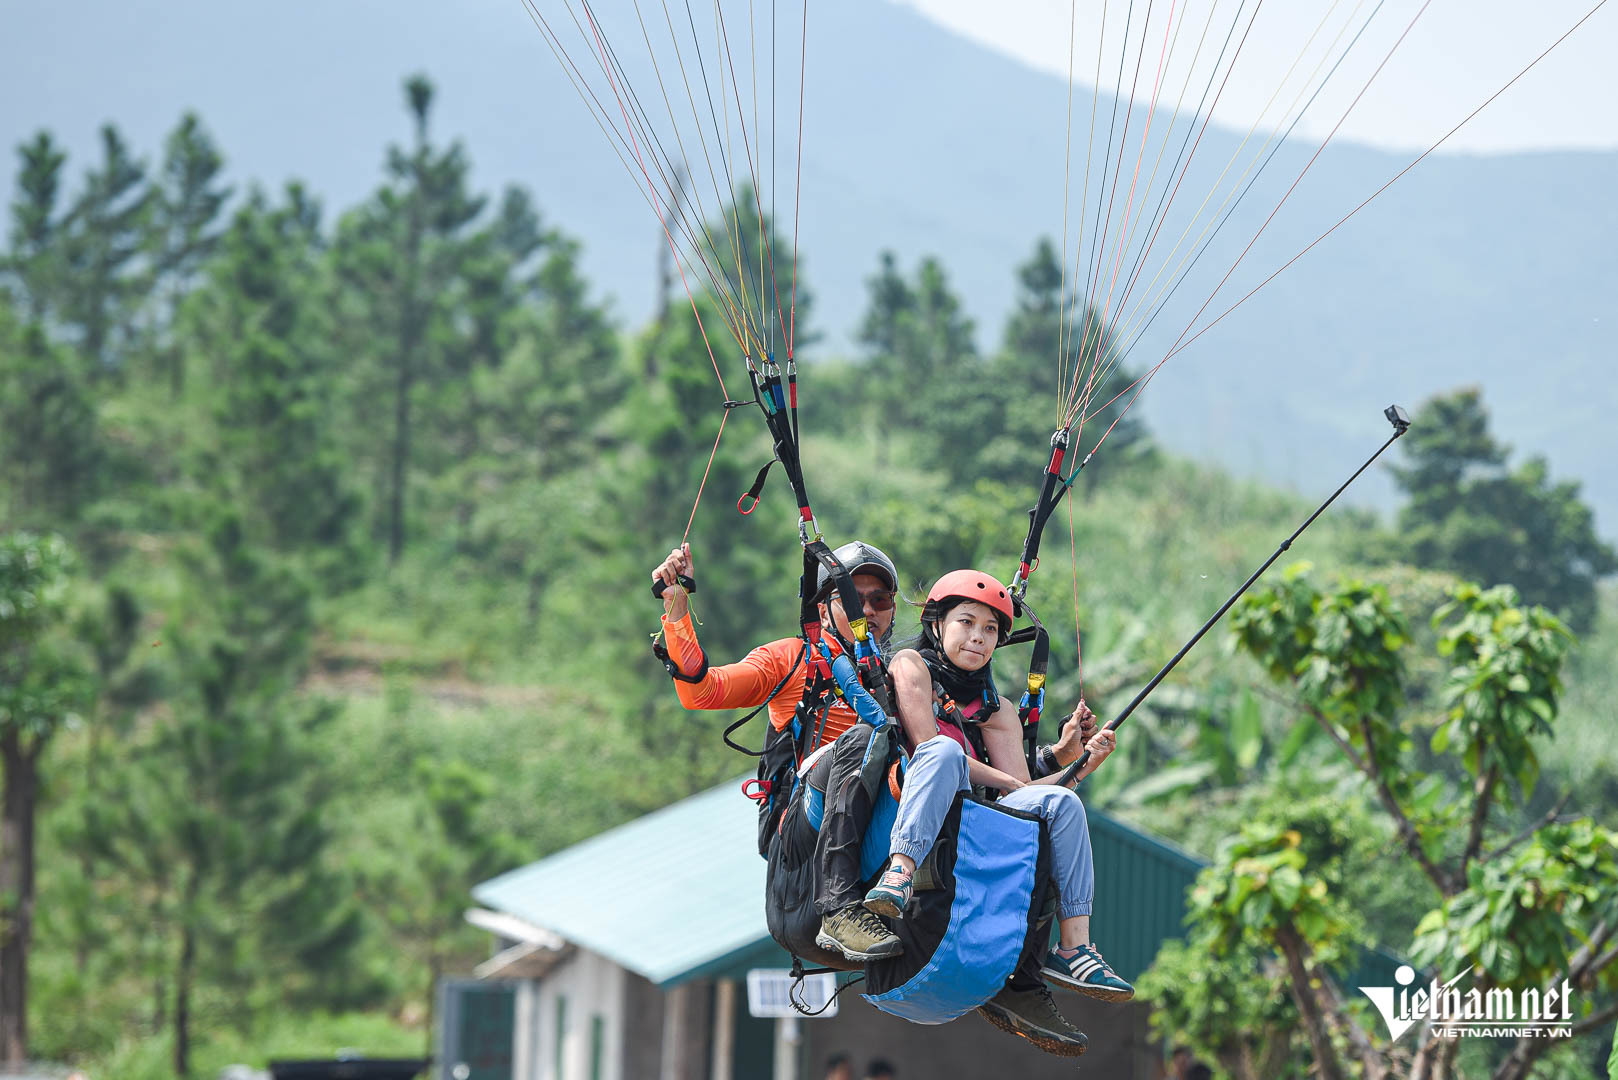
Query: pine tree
x=891 y=301
x=928 y=380
x=218 y=815
x=264 y=327
x=488 y=286
x=50 y=444
x=546 y=407
x=759 y=272
x=34 y=266
x=106 y=230
x=185 y=208
x=417 y=879
x=674 y=420
x=1039 y=360
x=400 y=257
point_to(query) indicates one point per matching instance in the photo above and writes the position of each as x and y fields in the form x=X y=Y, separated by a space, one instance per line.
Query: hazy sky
x=1457 y=54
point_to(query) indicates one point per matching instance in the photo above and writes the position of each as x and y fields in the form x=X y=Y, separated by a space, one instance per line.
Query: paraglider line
x=1390 y=182
x=797 y=190
x=711 y=455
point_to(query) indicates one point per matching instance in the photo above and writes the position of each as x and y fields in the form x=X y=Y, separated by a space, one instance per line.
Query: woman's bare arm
x=913 y=697
x=1003 y=741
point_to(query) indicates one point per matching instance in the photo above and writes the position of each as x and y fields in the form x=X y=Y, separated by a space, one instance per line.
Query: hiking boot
x=1034 y=1016
x=891 y=895
x=1086 y=973
x=858 y=935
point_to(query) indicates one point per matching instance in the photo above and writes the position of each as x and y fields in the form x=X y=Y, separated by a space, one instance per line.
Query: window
x=598 y=1041
x=561 y=1032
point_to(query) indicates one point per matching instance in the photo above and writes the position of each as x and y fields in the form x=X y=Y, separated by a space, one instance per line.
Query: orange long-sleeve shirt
x=748 y=682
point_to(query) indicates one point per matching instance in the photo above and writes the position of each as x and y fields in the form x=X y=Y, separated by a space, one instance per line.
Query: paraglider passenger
x=963 y=736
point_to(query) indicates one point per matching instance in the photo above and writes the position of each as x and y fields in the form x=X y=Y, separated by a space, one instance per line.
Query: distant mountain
x=1495 y=271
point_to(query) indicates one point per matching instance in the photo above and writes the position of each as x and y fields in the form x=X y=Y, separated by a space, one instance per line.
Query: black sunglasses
x=876 y=601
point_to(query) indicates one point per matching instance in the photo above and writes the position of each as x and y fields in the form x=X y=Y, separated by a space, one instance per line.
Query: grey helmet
x=859 y=558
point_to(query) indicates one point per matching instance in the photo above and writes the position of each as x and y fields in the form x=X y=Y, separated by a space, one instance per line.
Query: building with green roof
x=625 y=957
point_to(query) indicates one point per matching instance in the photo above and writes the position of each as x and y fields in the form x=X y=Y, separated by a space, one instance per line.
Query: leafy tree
x=1236 y=1011
x=1470 y=514
x=417 y=879
x=43 y=681
x=1257 y=893
x=1341 y=653
x=1228 y=993
x=1520 y=922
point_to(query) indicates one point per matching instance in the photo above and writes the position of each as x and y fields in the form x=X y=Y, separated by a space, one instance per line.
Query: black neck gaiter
x=961 y=685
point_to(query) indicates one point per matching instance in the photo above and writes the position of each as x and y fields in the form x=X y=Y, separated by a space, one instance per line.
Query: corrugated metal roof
x=1140 y=892
x=679 y=893
x=668 y=895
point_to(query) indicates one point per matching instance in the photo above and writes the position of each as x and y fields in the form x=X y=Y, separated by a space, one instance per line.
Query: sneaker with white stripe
x=891 y=895
x=1086 y=973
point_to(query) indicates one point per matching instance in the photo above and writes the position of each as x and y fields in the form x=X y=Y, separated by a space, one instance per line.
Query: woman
x=963 y=736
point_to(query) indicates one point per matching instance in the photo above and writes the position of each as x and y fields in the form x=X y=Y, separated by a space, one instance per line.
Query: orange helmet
x=960 y=585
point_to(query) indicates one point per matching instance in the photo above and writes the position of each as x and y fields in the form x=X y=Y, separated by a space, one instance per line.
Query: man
x=839 y=1067
x=777 y=668
x=880 y=1069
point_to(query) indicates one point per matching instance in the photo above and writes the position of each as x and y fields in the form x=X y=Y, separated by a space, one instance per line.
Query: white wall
x=592 y=986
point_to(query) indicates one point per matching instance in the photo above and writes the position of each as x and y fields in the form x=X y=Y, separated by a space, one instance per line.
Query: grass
x=275 y=1038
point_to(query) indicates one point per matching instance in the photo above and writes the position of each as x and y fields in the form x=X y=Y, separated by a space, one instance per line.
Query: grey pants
x=938 y=770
